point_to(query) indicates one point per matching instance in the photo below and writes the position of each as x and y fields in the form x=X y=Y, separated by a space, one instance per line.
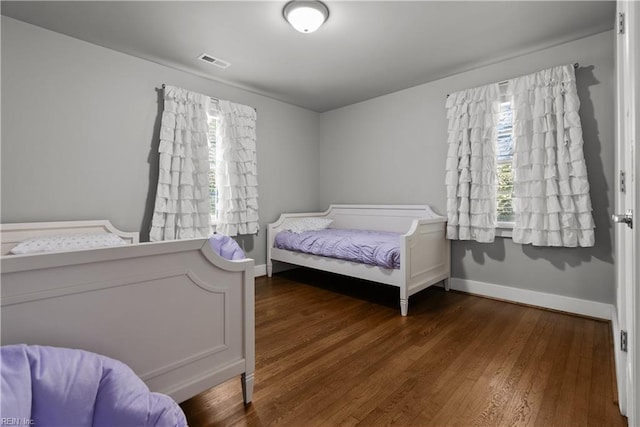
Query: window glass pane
x=504 y=170
x=505 y=128
x=212 y=121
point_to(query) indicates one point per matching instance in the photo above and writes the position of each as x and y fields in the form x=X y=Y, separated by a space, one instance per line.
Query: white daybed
x=424 y=249
x=178 y=314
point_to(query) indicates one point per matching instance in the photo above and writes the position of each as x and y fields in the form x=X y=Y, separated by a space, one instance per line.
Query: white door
x=626 y=233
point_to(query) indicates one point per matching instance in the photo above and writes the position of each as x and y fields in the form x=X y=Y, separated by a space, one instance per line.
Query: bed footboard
x=179 y=315
x=426 y=259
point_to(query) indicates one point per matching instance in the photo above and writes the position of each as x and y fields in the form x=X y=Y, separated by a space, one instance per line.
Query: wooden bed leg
x=447 y=284
x=404 y=306
x=269 y=269
x=247 y=387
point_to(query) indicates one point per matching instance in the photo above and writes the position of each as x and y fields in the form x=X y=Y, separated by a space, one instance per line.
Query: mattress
x=379 y=248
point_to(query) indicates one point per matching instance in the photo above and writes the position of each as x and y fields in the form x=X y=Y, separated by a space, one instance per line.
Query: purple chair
x=50 y=386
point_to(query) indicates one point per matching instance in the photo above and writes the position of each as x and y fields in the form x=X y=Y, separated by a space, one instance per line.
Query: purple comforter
x=51 y=386
x=379 y=248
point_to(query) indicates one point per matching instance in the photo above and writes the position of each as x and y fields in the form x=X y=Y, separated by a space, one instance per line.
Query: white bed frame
x=178 y=314
x=424 y=250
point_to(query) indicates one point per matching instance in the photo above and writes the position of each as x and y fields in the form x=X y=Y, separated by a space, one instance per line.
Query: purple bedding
x=226 y=247
x=379 y=248
x=51 y=386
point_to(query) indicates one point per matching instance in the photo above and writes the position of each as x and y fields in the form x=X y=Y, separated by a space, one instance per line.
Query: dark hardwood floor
x=333 y=351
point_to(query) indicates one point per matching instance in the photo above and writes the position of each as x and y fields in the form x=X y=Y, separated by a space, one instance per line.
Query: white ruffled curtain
x=551 y=198
x=182 y=197
x=471 y=163
x=236 y=169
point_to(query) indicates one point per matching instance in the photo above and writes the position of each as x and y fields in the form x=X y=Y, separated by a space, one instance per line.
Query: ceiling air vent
x=213 y=60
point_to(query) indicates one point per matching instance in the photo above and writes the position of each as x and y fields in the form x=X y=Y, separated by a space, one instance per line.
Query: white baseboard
x=260 y=270
x=583 y=307
x=278 y=267
x=541 y=299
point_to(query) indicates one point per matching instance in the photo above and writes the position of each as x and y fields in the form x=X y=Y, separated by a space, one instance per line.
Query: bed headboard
x=12 y=234
x=394 y=218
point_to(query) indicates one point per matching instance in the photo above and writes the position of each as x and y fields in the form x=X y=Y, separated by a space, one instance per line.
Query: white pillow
x=300 y=225
x=68 y=242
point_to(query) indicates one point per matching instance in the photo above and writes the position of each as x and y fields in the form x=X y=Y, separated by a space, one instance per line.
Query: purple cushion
x=226 y=247
x=62 y=387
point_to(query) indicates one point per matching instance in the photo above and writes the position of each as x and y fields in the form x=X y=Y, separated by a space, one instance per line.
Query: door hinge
x=623 y=341
x=622 y=184
x=620 y=23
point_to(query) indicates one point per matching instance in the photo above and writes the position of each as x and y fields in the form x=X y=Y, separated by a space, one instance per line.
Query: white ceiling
x=365 y=49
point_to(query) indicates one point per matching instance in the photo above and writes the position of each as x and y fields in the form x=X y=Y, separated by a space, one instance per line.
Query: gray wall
x=79 y=140
x=80 y=135
x=391 y=149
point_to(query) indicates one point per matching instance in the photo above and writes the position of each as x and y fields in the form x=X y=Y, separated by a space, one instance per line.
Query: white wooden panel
x=353 y=269
x=179 y=315
x=397 y=219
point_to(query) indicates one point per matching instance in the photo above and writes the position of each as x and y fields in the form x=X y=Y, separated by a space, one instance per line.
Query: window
x=504 y=167
x=212 y=121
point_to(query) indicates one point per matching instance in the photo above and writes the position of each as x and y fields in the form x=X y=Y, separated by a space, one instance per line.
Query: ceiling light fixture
x=305 y=16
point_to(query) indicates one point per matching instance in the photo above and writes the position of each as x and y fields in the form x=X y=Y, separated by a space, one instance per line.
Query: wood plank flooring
x=333 y=351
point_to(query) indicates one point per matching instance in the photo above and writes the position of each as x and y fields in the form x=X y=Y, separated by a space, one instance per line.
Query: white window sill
x=504 y=229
